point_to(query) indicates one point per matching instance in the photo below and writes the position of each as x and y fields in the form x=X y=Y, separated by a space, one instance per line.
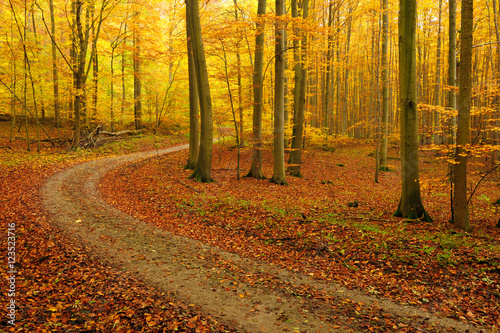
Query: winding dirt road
x=197 y=273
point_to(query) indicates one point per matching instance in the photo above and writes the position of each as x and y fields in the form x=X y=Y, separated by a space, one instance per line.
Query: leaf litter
x=309 y=227
x=305 y=227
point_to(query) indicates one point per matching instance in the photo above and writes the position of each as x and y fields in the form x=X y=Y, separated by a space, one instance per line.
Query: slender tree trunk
x=194 y=122
x=327 y=105
x=279 y=99
x=55 y=70
x=452 y=66
x=437 y=125
x=95 y=72
x=137 y=77
x=240 y=87
x=495 y=135
x=256 y=168
x=112 y=89
x=452 y=82
x=80 y=56
x=460 y=207
x=203 y=166
x=346 y=74
x=410 y=205
x=13 y=80
x=233 y=111
x=385 y=85
x=123 y=65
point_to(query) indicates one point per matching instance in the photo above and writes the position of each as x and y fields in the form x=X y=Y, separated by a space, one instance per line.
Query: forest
x=313 y=165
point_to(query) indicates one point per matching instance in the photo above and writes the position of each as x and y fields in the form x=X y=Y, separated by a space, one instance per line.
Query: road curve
x=192 y=270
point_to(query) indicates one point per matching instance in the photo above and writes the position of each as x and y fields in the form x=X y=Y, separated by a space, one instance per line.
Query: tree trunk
x=385 y=86
x=137 y=78
x=112 y=89
x=327 y=105
x=80 y=55
x=410 y=205
x=279 y=99
x=194 y=122
x=460 y=207
x=55 y=71
x=346 y=74
x=452 y=67
x=436 y=127
x=123 y=63
x=256 y=168
x=202 y=171
x=299 y=99
x=95 y=73
x=495 y=134
x=240 y=87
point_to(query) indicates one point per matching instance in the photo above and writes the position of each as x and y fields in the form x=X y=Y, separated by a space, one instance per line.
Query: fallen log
x=124 y=132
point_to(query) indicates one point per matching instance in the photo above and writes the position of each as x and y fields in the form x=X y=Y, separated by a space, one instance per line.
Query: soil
x=198 y=274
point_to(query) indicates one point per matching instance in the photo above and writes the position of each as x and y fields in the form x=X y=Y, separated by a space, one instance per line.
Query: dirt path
x=199 y=274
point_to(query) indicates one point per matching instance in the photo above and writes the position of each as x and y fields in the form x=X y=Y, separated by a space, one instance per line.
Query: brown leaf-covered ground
x=334 y=224
x=60 y=286
x=306 y=226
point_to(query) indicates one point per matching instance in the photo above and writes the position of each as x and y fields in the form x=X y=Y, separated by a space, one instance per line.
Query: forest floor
x=283 y=258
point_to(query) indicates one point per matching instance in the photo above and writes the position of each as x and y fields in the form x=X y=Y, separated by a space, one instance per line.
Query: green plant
x=444 y=259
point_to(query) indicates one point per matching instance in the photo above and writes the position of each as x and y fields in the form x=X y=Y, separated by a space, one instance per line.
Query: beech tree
x=55 y=70
x=203 y=168
x=410 y=204
x=194 y=122
x=299 y=99
x=279 y=98
x=385 y=85
x=256 y=168
x=136 y=57
x=460 y=204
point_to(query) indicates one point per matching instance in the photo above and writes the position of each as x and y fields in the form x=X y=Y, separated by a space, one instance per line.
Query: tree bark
x=194 y=121
x=279 y=99
x=55 y=70
x=137 y=76
x=460 y=207
x=452 y=67
x=385 y=85
x=256 y=168
x=78 y=75
x=202 y=171
x=299 y=99
x=436 y=135
x=410 y=205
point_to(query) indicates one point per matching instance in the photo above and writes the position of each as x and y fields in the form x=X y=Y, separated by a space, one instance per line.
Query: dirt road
x=198 y=274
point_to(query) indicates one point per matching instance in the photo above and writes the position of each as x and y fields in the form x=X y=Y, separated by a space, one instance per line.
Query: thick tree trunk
x=202 y=171
x=194 y=122
x=256 y=168
x=410 y=205
x=279 y=99
x=299 y=100
x=460 y=207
